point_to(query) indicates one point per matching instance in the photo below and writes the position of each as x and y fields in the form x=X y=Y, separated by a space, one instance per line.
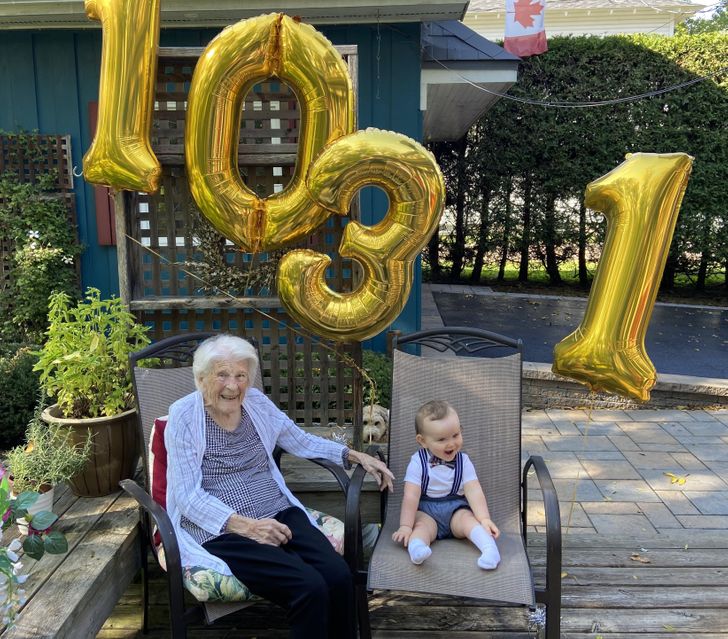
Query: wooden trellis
x=313 y=381
x=27 y=156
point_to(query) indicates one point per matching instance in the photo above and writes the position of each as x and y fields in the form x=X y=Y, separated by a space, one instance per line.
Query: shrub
x=19 y=392
x=379 y=367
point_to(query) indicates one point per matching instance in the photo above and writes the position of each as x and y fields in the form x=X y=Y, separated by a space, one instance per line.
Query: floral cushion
x=209 y=585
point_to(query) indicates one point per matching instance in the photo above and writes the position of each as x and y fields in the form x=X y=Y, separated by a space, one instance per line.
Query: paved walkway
x=634 y=472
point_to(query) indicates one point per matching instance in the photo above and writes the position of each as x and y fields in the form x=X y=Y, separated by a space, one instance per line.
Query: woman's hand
x=375 y=467
x=265 y=531
x=402 y=535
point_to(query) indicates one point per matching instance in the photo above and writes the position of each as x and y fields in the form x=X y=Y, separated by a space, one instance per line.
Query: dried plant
x=218 y=269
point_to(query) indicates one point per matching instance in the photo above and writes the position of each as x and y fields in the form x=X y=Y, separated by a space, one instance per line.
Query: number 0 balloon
x=640 y=200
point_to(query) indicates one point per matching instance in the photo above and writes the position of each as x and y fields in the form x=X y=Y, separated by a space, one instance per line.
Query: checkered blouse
x=235 y=470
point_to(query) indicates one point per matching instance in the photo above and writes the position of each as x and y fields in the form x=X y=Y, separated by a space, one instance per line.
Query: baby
x=442 y=495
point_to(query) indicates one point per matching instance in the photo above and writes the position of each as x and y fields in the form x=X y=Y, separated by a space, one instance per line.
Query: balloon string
x=342 y=357
x=590 y=405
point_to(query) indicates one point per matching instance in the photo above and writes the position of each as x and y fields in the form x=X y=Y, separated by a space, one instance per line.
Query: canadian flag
x=525 y=34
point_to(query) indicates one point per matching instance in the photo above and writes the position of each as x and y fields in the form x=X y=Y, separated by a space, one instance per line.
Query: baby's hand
x=402 y=535
x=490 y=527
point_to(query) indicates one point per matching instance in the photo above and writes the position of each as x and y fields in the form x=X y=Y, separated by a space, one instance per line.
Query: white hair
x=222 y=347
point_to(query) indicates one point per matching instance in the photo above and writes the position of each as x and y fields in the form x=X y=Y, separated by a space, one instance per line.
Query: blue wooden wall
x=47 y=79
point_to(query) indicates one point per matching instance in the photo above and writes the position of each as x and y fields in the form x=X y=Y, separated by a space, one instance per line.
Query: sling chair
x=484 y=386
x=164 y=377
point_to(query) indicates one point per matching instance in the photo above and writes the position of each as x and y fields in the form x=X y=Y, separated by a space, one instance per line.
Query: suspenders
x=457 y=479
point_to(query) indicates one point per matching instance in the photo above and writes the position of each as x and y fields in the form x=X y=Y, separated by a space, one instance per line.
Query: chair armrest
x=553 y=519
x=163 y=523
x=353 y=551
x=336 y=470
x=352 y=521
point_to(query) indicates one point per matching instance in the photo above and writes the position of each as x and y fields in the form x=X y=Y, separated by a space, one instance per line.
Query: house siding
x=580 y=22
x=47 y=79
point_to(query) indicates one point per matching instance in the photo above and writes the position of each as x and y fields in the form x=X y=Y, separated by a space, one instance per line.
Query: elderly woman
x=229 y=505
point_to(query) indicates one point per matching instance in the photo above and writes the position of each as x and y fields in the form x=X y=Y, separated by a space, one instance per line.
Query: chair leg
x=145 y=584
x=553 y=620
x=362 y=612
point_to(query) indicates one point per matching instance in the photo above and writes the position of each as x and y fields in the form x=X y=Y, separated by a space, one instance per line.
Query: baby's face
x=442 y=437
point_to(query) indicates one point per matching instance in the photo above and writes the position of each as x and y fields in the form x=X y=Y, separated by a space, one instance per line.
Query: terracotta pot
x=114 y=451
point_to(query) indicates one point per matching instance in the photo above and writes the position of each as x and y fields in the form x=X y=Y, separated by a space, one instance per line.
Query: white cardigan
x=184 y=438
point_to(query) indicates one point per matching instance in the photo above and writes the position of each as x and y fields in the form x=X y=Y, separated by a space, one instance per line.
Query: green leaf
x=26 y=500
x=55 y=543
x=43 y=520
x=34 y=546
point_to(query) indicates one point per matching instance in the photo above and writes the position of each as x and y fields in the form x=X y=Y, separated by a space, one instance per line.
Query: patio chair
x=167 y=377
x=484 y=386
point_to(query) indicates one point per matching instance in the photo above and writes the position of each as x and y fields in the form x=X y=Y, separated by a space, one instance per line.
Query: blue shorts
x=441 y=509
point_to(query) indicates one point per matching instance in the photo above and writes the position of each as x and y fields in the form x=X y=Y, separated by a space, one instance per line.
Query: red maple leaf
x=525 y=12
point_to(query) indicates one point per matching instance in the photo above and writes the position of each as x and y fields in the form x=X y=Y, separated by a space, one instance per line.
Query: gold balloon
x=121 y=155
x=410 y=177
x=640 y=200
x=242 y=55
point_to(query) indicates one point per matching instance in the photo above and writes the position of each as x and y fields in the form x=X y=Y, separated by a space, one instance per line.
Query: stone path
x=634 y=472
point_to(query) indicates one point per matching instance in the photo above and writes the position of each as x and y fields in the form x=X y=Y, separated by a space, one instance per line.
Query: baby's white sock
x=490 y=556
x=418 y=551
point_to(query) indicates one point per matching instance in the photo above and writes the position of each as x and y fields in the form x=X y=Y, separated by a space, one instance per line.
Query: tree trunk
x=702 y=272
x=483 y=233
x=668 y=275
x=526 y=237
x=506 y=233
x=433 y=255
x=583 y=272
x=552 y=262
x=458 y=249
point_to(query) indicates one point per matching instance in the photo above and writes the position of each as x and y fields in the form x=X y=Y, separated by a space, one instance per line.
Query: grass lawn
x=684 y=292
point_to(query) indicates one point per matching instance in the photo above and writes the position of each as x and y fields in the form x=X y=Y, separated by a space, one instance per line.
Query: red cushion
x=158 y=462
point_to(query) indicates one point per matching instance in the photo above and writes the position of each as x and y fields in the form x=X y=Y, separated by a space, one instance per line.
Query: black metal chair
x=166 y=377
x=484 y=386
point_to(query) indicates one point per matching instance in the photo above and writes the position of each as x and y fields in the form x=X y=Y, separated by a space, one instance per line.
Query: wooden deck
x=659 y=587
x=71 y=595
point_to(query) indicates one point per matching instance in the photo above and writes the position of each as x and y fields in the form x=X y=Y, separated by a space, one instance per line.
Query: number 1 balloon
x=640 y=200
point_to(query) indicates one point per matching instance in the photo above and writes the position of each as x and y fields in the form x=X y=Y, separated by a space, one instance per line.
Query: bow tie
x=435 y=461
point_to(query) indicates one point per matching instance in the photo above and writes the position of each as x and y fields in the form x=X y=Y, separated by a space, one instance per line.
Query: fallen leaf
x=668 y=627
x=637 y=557
x=564 y=574
x=677 y=479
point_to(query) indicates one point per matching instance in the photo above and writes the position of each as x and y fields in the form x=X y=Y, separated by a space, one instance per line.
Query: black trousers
x=305 y=576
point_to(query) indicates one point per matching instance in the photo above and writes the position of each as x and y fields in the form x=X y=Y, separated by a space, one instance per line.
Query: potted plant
x=50 y=455
x=84 y=367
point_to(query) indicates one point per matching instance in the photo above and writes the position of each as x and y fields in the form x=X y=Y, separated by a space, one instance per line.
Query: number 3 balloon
x=410 y=177
x=640 y=200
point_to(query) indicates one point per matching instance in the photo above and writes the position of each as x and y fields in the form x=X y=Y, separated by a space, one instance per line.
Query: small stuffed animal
x=376 y=423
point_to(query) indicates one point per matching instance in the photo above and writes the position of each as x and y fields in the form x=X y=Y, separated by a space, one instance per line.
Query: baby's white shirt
x=441 y=476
